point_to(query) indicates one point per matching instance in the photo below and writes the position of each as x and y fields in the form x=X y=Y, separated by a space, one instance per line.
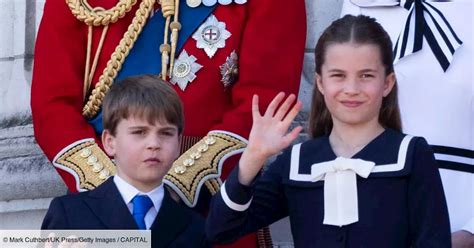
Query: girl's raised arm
x=269 y=134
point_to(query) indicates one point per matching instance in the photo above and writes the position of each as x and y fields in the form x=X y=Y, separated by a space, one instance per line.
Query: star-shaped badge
x=230 y=70
x=211 y=35
x=184 y=71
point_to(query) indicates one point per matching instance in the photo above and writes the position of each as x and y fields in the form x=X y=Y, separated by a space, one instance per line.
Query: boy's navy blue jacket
x=401 y=203
x=104 y=208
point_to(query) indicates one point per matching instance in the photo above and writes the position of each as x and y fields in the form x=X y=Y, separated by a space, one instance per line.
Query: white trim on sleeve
x=232 y=205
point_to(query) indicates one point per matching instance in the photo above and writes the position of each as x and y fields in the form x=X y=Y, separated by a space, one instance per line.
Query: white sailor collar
x=389 y=152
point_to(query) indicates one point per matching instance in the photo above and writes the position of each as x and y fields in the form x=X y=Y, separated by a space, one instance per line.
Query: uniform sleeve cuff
x=235 y=195
x=469 y=226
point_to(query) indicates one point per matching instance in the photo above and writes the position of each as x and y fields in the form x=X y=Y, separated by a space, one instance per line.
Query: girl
x=359 y=182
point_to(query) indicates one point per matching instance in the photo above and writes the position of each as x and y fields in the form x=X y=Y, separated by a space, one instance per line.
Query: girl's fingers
x=255 y=109
x=284 y=107
x=288 y=138
x=293 y=112
x=274 y=104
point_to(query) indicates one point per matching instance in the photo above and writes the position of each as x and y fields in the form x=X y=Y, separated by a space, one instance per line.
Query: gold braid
x=175 y=27
x=117 y=58
x=84 y=12
x=169 y=8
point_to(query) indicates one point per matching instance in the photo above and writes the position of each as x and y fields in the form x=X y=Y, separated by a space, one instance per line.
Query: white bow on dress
x=340 y=188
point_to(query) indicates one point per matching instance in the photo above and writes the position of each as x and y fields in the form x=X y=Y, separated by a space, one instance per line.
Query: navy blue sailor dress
x=401 y=202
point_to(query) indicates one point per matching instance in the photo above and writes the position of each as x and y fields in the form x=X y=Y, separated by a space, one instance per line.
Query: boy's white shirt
x=128 y=191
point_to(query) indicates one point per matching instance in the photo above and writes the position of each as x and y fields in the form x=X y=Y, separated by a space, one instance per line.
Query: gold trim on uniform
x=201 y=163
x=89 y=162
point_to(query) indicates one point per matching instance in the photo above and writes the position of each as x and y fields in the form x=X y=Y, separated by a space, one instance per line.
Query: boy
x=143 y=122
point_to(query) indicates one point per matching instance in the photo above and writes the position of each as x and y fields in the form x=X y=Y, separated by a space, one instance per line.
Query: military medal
x=209 y=2
x=185 y=69
x=193 y=3
x=211 y=36
x=225 y=2
x=230 y=70
x=196 y=3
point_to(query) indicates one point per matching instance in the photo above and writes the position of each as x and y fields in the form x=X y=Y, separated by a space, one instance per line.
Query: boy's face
x=143 y=152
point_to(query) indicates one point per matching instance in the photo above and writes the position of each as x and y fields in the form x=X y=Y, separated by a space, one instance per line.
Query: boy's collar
x=128 y=191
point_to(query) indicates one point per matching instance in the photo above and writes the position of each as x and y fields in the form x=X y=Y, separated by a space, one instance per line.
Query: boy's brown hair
x=145 y=96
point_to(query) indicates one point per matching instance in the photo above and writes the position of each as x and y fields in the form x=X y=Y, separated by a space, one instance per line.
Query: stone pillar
x=27 y=180
x=18 y=23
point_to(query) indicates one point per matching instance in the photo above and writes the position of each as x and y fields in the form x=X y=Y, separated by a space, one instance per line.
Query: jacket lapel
x=108 y=205
x=169 y=223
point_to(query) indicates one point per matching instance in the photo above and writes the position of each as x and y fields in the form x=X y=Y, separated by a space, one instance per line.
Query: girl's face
x=353 y=83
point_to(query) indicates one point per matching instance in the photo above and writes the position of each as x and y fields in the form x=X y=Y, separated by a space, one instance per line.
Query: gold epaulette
x=201 y=164
x=89 y=165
